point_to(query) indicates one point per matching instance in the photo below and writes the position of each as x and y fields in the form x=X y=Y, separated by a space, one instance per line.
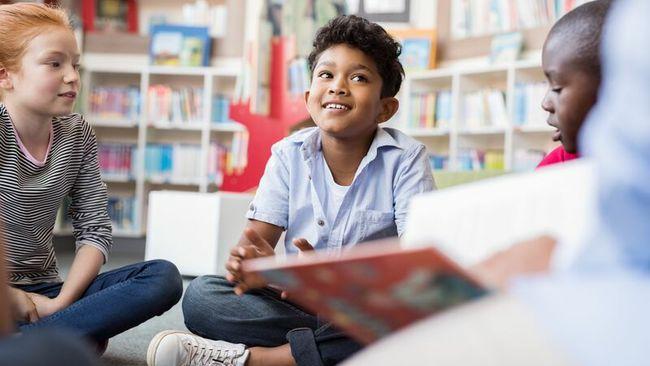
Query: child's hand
x=303 y=245
x=22 y=306
x=44 y=305
x=532 y=256
x=252 y=246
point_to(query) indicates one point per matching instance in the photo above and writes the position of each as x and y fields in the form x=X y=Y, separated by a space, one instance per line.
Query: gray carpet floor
x=130 y=348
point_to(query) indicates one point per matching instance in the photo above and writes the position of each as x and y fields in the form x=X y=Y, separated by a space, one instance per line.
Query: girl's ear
x=5 y=80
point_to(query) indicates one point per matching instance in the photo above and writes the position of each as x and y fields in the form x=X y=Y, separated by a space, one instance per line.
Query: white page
x=470 y=222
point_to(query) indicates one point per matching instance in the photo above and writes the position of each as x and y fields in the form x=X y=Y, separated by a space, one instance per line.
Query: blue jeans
x=52 y=348
x=260 y=318
x=115 y=301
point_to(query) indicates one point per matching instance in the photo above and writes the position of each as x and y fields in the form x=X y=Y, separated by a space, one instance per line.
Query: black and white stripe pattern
x=30 y=196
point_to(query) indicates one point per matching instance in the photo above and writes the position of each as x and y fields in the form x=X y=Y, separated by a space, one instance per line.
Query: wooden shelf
x=487 y=130
x=113 y=178
x=174 y=181
x=455 y=49
x=427 y=132
x=186 y=126
x=110 y=123
x=227 y=127
x=545 y=129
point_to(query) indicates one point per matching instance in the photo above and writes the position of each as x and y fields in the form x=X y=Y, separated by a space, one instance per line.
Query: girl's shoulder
x=5 y=120
x=72 y=127
x=72 y=123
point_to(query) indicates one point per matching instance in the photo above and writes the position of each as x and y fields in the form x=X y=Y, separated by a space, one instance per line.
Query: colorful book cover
x=177 y=45
x=373 y=289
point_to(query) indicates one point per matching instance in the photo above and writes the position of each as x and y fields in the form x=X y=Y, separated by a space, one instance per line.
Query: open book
x=372 y=289
x=471 y=222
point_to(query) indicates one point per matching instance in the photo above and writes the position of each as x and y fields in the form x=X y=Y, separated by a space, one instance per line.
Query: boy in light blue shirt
x=330 y=187
x=300 y=192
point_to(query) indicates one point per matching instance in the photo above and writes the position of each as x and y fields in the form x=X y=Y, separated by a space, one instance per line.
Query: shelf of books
x=477 y=17
x=159 y=128
x=478 y=118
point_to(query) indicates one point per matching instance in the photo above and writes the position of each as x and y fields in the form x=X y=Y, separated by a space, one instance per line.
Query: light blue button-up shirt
x=293 y=194
x=598 y=311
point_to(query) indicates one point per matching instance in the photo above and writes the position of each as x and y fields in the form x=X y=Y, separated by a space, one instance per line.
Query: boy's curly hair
x=369 y=38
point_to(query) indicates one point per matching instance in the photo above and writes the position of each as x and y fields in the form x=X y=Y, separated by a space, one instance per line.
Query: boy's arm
x=268 y=232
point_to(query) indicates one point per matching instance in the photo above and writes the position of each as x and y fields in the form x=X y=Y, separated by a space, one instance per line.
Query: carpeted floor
x=130 y=348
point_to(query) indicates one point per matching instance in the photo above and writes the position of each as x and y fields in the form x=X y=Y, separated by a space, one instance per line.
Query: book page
x=473 y=221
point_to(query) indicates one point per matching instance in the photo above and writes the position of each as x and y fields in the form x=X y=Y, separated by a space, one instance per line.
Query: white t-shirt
x=335 y=194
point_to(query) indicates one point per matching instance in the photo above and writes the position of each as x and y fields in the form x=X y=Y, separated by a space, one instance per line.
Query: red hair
x=20 y=23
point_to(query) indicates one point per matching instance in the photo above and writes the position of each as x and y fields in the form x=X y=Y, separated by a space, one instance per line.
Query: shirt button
x=251 y=207
x=320 y=222
x=309 y=176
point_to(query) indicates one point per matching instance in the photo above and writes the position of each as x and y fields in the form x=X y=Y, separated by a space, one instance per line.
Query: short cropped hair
x=368 y=37
x=581 y=30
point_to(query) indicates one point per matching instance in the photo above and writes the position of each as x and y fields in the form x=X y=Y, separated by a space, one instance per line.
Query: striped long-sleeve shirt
x=31 y=193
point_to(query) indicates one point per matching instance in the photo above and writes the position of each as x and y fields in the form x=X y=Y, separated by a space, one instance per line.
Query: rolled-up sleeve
x=271 y=202
x=88 y=208
x=414 y=177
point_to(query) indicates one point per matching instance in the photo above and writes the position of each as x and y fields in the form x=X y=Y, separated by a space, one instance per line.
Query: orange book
x=372 y=289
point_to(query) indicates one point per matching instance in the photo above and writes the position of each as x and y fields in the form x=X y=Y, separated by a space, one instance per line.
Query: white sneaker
x=176 y=348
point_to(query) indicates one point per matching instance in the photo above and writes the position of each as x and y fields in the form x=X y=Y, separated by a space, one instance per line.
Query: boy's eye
x=360 y=78
x=55 y=64
x=325 y=75
x=556 y=90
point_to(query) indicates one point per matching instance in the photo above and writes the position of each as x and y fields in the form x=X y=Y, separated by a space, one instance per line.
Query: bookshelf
x=128 y=136
x=515 y=136
x=514 y=133
x=286 y=110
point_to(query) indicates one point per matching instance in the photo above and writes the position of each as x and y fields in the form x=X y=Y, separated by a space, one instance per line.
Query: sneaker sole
x=153 y=345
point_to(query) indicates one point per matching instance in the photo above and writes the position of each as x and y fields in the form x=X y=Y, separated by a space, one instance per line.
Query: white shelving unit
x=143 y=130
x=506 y=136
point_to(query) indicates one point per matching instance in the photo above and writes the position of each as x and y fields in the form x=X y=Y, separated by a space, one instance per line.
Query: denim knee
x=168 y=281
x=201 y=295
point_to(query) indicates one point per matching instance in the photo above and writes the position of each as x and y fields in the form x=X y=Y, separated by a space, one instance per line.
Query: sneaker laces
x=202 y=352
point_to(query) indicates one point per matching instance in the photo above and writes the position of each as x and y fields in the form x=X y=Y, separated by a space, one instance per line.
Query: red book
x=373 y=289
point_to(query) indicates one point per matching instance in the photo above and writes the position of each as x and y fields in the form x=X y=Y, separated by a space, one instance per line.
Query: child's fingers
x=234 y=251
x=233 y=266
x=248 y=252
x=240 y=289
x=230 y=277
x=303 y=244
x=32 y=316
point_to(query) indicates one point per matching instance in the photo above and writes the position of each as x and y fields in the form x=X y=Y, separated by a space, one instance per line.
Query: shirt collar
x=310 y=142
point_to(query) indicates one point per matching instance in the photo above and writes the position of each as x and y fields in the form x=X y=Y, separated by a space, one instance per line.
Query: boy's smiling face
x=571 y=93
x=344 y=99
